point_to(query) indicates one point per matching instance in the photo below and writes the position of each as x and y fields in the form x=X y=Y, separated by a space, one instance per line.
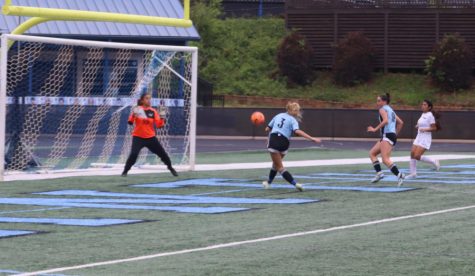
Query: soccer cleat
x=266 y=184
x=411 y=176
x=377 y=177
x=400 y=179
x=437 y=165
x=172 y=170
x=299 y=187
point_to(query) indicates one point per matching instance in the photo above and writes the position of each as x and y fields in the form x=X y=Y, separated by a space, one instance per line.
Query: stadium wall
x=345 y=123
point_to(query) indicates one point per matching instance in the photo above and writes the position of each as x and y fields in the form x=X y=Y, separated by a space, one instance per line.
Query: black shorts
x=391 y=138
x=278 y=143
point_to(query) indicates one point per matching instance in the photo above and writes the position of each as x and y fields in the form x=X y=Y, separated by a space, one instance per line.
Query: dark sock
x=172 y=170
x=377 y=166
x=287 y=176
x=128 y=166
x=394 y=169
x=272 y=174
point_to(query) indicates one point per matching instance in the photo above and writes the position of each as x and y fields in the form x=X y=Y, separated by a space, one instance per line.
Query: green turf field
x=438 y=244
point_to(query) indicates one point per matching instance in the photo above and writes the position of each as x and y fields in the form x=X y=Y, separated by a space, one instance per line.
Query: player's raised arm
x=303 y=134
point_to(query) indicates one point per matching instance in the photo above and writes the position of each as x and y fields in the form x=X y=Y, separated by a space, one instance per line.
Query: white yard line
x=253 y=241
x=217 y=167
x=331 y=139
x=317 y=163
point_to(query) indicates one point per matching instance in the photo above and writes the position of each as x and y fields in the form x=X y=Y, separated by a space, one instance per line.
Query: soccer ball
x=257 y=118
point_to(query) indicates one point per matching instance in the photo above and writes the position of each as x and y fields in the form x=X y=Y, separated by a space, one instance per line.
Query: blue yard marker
x=460 y=166
x=172 y=199
x=434 y=178
x=7 y=271
x=15 y=233
x=224 y=182
x=70 y=222
x=33 y=210
x=118 y=204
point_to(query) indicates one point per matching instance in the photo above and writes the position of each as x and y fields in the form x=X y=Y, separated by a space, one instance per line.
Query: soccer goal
x=64 y=103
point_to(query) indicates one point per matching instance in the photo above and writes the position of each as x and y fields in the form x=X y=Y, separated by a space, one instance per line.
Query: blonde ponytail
x=293 y=108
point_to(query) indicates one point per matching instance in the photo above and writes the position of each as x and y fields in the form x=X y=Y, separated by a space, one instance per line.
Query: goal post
x=82 y=15
x=64 y=103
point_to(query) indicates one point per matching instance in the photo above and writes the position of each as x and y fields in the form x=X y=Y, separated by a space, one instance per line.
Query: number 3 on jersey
x=281 y=124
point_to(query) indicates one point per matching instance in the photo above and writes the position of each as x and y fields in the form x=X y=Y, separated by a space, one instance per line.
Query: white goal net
x=65 y=103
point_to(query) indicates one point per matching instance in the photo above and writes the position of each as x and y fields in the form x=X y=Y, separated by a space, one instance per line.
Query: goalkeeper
x=145 y=119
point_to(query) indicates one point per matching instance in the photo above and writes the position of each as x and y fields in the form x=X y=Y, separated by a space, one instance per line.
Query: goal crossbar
x=81 y=15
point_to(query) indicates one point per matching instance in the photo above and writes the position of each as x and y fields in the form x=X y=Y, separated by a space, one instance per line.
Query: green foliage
x=450 y=64
x=205 y=15
x=241 y=57
x=353 y=60
x=294 y=58
x=237 y=55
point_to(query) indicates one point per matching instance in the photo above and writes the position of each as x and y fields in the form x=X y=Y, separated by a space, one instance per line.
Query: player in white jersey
x=281 y=129
x=390 y=125
x=426 y=124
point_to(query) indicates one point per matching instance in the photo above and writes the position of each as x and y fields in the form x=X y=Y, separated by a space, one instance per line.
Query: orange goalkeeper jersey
x=145 y=120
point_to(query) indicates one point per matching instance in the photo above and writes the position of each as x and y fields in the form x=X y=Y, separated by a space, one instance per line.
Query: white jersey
x=424 y=139
x=425 y=121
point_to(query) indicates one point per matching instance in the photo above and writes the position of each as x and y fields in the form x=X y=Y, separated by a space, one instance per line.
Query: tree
x=294 y=59
x=354 y=59
x=450 y=64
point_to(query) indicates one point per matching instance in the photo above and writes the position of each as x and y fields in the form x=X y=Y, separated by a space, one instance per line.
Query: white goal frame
x=5 y=38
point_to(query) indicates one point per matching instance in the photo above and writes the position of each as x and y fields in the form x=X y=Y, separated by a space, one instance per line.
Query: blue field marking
x=433 y=179
x=360 y=189
x=7 y=271
x=433 y=175
x=217 y=182
x=70 y=222
x=33 y=210
x=224 y=182
x=429 y=172
x=15 y=233
x=99 y=204
x=226 y=192
x=171 y=199
x=460 y=166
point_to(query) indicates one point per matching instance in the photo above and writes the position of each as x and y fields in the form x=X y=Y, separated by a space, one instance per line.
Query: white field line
x=329 y=139
x=239 y=243
x=317 y=163
x=116 y=170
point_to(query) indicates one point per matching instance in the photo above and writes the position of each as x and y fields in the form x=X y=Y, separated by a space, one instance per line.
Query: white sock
x=413 y=166
x=428 y=160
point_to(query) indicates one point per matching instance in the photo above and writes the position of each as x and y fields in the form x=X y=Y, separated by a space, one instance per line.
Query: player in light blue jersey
x=281 y=129
x=390 y=125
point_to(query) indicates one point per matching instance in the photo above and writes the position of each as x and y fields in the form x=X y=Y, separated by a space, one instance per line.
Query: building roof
x=164 y=8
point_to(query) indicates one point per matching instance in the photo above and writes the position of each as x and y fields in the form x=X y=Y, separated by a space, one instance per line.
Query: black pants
x=153 y=145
